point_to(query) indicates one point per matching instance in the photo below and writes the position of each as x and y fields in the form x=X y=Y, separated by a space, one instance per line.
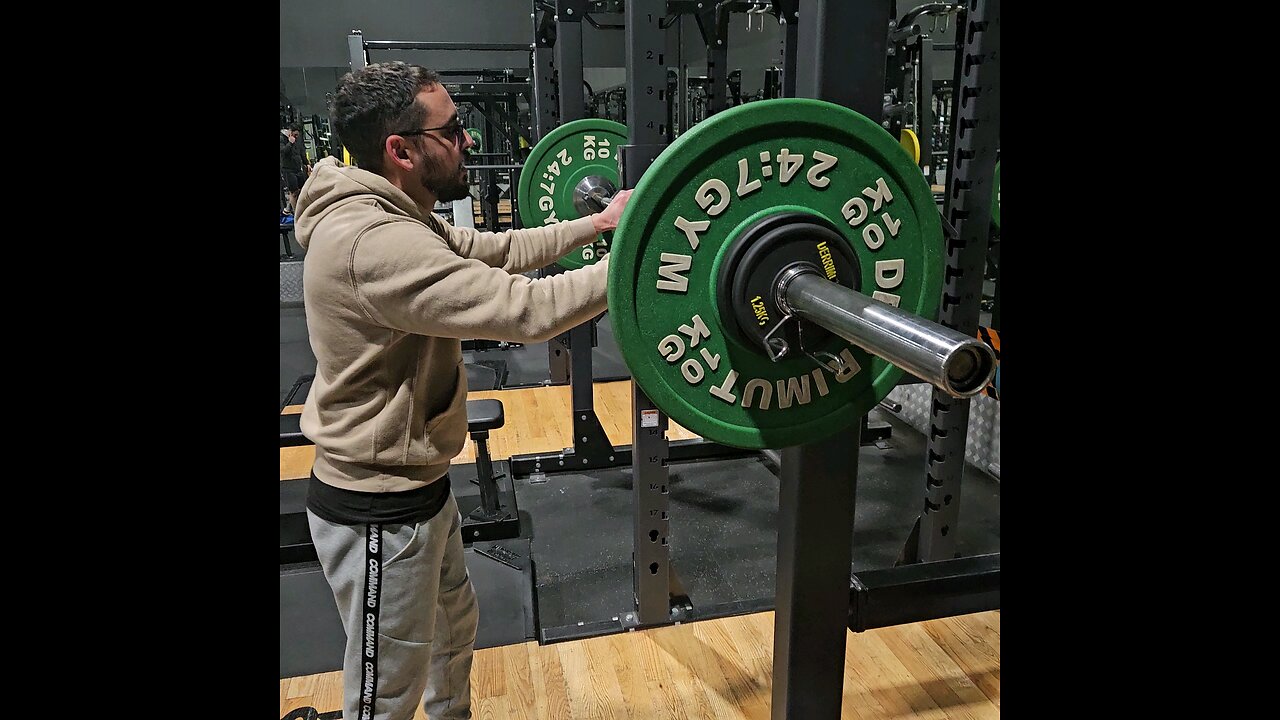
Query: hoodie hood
x=333 y=184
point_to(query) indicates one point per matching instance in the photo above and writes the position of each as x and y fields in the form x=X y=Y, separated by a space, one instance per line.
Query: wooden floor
x=718 y=670
x=715 y=669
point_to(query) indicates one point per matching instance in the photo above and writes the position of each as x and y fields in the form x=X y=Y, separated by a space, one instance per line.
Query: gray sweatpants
x=409 y=612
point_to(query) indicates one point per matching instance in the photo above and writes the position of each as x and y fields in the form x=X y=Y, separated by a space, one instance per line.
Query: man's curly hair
x=370 y=104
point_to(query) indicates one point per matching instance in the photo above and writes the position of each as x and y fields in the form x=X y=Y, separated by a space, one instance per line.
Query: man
x=390 y=289
x=293 y=160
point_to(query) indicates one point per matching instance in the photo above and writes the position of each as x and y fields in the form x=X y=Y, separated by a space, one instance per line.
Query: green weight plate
x=716 y=180
x=995 y=200
x=563 y=158
x=477 y=138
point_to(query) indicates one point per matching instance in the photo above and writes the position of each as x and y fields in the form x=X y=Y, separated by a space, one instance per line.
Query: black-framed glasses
x=455 y=129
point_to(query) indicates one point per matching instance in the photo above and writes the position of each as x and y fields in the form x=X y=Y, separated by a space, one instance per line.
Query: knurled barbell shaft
x=961 y=366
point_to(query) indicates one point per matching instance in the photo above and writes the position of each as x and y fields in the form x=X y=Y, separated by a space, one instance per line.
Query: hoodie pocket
x=446 y=433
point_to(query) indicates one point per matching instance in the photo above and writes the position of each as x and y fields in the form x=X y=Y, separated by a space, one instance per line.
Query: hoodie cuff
x=582 y=230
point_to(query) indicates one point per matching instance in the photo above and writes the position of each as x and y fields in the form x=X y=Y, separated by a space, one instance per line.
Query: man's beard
x=446 y=184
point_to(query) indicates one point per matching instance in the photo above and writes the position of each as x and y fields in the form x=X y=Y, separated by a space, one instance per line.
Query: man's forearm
x=525 y=249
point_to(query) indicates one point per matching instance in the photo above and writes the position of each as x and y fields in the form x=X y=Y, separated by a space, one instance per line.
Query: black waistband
x=348 y=507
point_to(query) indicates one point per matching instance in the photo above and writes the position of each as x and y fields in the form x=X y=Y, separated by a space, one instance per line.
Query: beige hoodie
x=389 y=291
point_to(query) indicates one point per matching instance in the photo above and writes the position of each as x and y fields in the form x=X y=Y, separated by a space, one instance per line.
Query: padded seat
x=484 y=415
x=291 y=431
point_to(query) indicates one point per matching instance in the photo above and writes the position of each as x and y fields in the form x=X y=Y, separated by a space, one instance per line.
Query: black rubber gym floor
x=530 y=365
x=723 y=530
x=296 y=358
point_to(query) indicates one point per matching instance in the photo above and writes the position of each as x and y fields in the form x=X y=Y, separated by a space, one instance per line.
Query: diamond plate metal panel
x=291 y=284
x=982 y=448
x=982 y=441
x=995 y=445
x=915 y=405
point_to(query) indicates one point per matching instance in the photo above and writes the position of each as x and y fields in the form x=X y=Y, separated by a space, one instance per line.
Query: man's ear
x=397 y=151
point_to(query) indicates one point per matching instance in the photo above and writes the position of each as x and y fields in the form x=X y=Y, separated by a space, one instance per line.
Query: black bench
x=491 y=516
x=291 y=431
x=494 y=515
x=483 y=416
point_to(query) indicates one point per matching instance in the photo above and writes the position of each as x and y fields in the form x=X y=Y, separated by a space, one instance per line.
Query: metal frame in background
x=910 y=73
x=970 y=183
x=659 y=595
x=712 y=18
x=493 y=89
x=500 y=112
x=591 y=446
x=546 y=107
x=545 y=118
